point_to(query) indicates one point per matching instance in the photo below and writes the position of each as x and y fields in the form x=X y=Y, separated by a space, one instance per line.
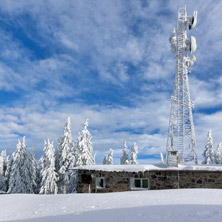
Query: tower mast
x=181 y=135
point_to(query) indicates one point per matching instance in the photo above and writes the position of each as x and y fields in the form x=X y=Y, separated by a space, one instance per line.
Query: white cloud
x=100 y=34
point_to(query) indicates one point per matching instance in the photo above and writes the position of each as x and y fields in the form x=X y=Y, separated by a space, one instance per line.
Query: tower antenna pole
x=181 y=135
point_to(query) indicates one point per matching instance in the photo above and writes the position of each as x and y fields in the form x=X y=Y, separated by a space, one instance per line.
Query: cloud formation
x=106 y=60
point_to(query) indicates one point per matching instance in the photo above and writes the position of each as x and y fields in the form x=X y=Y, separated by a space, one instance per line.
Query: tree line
x=54 y=172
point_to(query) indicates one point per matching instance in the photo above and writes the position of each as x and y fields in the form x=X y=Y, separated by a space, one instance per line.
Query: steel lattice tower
x=181 y=135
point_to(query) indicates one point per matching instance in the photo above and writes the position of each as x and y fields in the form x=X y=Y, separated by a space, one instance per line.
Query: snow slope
x=163 y=205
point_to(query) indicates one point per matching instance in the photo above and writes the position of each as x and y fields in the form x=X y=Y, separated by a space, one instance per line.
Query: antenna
x=193 y=20
x=181 y=135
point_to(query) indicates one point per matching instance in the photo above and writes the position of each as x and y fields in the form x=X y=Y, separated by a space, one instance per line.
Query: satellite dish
x=193 y=20
x=193 y=44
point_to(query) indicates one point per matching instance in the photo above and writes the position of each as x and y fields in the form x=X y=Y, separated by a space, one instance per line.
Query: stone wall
x=166 y=179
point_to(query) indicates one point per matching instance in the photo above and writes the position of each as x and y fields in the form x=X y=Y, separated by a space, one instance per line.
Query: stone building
x=117 y=178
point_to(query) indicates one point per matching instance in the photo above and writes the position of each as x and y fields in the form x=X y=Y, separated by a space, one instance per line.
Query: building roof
x=143 y=168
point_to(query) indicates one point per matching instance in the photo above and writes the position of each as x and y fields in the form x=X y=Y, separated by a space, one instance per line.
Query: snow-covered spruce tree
x=8 y=169
x=85 y=147
x=48 y=173
x=217 y=156
x=72 y=173
x=64 y=158
x=208 y=153
x=3 y=162
x=3 y=165
x=105 y=160
x=133 y=152
x=33 y=171
x=41 y=166
x=19 y=181
x=161 y=158
x=125 y=157
x=110 y=157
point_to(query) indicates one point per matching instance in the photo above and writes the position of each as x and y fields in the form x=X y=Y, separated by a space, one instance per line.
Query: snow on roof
x=142 y=168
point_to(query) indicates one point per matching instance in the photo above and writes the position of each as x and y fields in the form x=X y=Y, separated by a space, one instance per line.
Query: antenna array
x=181 y=135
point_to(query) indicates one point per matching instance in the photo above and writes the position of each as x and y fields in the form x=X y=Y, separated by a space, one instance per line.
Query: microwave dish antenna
x=193 y=20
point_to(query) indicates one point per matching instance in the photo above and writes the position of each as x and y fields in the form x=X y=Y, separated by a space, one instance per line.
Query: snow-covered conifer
x=19 y=181
x=41 y=166
x=133 y=152
x=33 y=171
x=217 y=155
x=105 y=160
x=8 y=169
x=72 y=173
x=85 y=147
x=161 y=158
x=208 y=153
x=49 y=175
x=64 y=158
x=3 y=162
x=110 y=157
x=125 y=157
x=1 y=165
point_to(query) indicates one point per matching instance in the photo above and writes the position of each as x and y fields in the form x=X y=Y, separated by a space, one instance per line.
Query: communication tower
x=181 y=135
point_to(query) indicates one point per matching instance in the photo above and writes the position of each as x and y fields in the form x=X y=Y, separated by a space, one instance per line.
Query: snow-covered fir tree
x=133 y=153
x=3 y=165
x=72 y=173
x=41 y=166
x=125 y=157
x=85 y=147
x=208 y=152
x=217 y=156
x=110 y=157
x=161 y=158
x=3 y=162
x=33 y=171
x=8 y=169
x=64 y=158
x=105 y=160
x=48 y=172
x=19 y=181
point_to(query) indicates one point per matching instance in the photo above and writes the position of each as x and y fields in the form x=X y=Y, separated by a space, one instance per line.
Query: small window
x=145 y=183
x=86 y=179
x=139 y=183
x=100 y=182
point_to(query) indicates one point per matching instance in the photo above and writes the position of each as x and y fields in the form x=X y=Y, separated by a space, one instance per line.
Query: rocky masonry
x=167 y=179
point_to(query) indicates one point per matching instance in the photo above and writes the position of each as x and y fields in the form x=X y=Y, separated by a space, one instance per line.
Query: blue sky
x=106 y=60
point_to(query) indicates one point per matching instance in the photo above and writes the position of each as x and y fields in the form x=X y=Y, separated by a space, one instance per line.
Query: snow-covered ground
x=185 y=205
